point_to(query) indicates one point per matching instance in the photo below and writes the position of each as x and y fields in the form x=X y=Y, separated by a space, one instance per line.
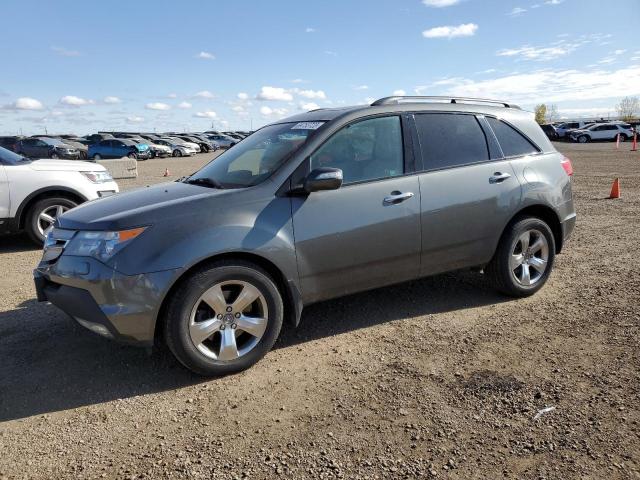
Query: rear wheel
x=43 y=214
x=623 y=137
x=224 y=318
x=524 y=258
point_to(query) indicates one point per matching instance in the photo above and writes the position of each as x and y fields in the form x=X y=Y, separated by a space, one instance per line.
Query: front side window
x=450 y=140
x=250 y=162
x=512 y=142
x=366 y=150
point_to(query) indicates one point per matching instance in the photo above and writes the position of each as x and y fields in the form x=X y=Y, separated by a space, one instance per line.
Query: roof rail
x=398 y=99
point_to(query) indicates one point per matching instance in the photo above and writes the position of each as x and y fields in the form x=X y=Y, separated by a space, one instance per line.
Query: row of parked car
x=103 y=145
x=585 y=131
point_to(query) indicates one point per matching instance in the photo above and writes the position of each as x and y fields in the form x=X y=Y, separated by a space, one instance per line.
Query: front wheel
x=97 y=158
x=223 y=318
x=43 y=215
x=524 y=258
x=177 y=153
x=132 y=155
x=583 y=139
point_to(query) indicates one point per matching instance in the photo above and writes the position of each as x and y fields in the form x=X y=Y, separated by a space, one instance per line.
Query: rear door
x=365 y=234
x=469 y=191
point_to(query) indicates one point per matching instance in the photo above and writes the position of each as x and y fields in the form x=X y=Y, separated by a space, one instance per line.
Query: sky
x=155 y=65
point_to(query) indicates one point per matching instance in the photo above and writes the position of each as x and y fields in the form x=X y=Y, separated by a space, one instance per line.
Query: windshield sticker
x=307 y=126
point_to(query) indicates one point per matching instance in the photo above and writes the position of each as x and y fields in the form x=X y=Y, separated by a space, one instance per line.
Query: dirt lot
x=440 y=377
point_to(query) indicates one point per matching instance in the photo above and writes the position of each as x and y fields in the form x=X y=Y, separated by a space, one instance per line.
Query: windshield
x=10 y=158
x=258 y=156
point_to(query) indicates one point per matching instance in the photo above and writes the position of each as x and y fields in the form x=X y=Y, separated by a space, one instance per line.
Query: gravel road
x=440 y=377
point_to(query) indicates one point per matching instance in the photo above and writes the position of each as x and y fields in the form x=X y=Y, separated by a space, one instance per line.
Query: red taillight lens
x=566 y=164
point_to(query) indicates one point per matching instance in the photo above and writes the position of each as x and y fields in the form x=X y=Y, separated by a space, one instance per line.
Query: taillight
x=566 y=164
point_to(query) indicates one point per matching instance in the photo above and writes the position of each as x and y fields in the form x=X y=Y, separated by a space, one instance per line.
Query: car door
x=367 y=233
x=41 y=149
x=5 y=199
x=468 y=191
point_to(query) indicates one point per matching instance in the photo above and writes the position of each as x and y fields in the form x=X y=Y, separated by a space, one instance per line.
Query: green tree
x=541 y=113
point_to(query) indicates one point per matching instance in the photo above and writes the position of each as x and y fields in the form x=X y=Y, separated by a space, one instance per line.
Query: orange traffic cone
x=166 y=172
x=615 y=189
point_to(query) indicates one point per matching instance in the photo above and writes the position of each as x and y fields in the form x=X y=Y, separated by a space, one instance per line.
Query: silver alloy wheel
x=228 y=320
x=582 y=139
x=529 y=257
x=47 y=217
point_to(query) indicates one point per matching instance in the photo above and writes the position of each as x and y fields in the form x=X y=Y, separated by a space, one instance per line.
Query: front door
x=365 y=234
x=5 y=203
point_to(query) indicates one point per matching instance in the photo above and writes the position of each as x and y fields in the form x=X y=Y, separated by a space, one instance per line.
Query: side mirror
x=323 y=178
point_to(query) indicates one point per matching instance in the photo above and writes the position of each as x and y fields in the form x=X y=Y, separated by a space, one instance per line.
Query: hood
x=135 y=208
x=65 y=166
x=141 y=147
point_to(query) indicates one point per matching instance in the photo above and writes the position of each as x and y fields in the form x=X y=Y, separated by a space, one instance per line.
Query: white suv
x=34 y=192
x=602 y=131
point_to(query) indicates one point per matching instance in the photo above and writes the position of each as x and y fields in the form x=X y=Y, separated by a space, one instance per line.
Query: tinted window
x=449 y=140
x=365 y=150
x=513 y=143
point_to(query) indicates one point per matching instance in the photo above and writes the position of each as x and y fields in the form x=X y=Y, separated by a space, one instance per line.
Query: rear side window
x=512 y=142
x=450 y=140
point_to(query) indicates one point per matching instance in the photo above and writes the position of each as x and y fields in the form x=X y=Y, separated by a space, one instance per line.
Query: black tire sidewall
x=34 y=212
x=499 y=267
x=183 y=301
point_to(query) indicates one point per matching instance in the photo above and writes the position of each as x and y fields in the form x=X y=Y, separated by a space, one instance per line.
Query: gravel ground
x=440 y=377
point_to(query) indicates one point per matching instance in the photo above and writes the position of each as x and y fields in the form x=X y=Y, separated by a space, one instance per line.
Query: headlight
x=98 y=177
x=101 y=245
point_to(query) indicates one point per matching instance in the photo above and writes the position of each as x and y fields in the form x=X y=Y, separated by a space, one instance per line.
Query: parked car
x=9 y=142
x=157 y=150
x=234 y=136
x=33 y=193
x=81 y=147
x=313 y=207
x=178 y=147
x=204 y=145
x=192 y=145
x=118 y=148
x=222 y=140
x=212 y=145
x=97 y=137
x=550 y=131
x=45 y=147
x=564 y=128
x=602 y=131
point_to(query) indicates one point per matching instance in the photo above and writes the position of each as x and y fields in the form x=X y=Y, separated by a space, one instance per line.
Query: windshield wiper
x=205 y=182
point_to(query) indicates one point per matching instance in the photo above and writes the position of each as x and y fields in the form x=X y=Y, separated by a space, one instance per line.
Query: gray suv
x=313 y=207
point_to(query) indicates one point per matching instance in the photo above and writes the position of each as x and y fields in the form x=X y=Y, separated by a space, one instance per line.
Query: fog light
x=94 y=327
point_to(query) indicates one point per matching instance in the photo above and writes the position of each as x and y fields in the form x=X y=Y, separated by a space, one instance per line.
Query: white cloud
x=243 y=96
x=206 y=56
x=309 y=106
x=311 y=94
x=361 y=87
x=553 y=2
x=184 y=105
x=25 y=103
x=111 y=100
x=135 y=119
x=399 y=93
x=517 y=11
x=440 y=3
x=310 y=30
x=157 y=106
x=449 y=31
x=331 y=53
x=238 y=108
x=274 y=93
x=538 y=53
x=266 y=110
x=298 y=80
x=65 y=52
x=619 y=52
x=204 y=94
x=545 y=85
x=172 y=95
x=208 y=114
x=74 y=101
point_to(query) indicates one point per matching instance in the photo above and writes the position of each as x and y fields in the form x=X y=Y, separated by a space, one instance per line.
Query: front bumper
x=107 y=302
x=68 y=155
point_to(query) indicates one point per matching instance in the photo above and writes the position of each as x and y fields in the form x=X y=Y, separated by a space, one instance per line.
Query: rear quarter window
x=512 y=142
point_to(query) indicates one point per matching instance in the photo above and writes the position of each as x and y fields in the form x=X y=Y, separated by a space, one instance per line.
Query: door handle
x=499 y=177
x=397 y=197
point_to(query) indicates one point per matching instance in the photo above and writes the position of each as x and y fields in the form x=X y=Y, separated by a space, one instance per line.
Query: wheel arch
x=47 y=192
x=291 y=296
x=545 y=213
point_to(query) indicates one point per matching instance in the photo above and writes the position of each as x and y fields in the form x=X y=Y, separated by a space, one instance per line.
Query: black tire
x=133 y=155
x=177 y=153
x=31 y=224
x=184 y=298
x=623 y=137
x=498 y=270
x=583 y=139
x=55 y=156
